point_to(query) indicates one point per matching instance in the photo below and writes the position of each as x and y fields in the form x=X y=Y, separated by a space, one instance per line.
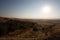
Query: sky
x=30 y=9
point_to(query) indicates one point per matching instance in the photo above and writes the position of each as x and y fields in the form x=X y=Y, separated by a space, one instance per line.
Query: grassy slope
x=29 y=33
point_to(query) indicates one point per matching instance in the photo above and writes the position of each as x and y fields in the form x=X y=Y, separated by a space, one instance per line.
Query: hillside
x=29 y=29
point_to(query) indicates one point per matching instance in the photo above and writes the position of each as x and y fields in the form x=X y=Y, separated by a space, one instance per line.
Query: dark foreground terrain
x=28 y=29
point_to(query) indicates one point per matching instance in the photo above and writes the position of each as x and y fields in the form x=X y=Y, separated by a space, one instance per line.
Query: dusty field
x=28 y=29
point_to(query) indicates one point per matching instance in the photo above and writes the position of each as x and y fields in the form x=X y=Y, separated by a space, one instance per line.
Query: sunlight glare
x=46 y=9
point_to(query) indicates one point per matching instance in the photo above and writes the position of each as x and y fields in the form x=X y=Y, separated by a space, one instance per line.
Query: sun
x=46 y=9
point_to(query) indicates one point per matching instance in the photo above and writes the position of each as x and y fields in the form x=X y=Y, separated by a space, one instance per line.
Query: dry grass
x=29 y=34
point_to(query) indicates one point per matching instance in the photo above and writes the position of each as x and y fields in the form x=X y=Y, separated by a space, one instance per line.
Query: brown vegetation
x=28 y=30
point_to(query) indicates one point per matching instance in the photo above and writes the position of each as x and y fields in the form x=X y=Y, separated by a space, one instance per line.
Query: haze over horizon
x=30 y=9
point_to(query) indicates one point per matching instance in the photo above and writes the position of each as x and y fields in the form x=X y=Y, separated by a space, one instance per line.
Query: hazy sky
x=30 y=9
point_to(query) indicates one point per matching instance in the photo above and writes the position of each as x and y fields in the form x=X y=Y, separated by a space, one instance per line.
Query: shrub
x=47 y=29
x=11 y=25
x=53 y=37
x=35 y=27
x=3 y=29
